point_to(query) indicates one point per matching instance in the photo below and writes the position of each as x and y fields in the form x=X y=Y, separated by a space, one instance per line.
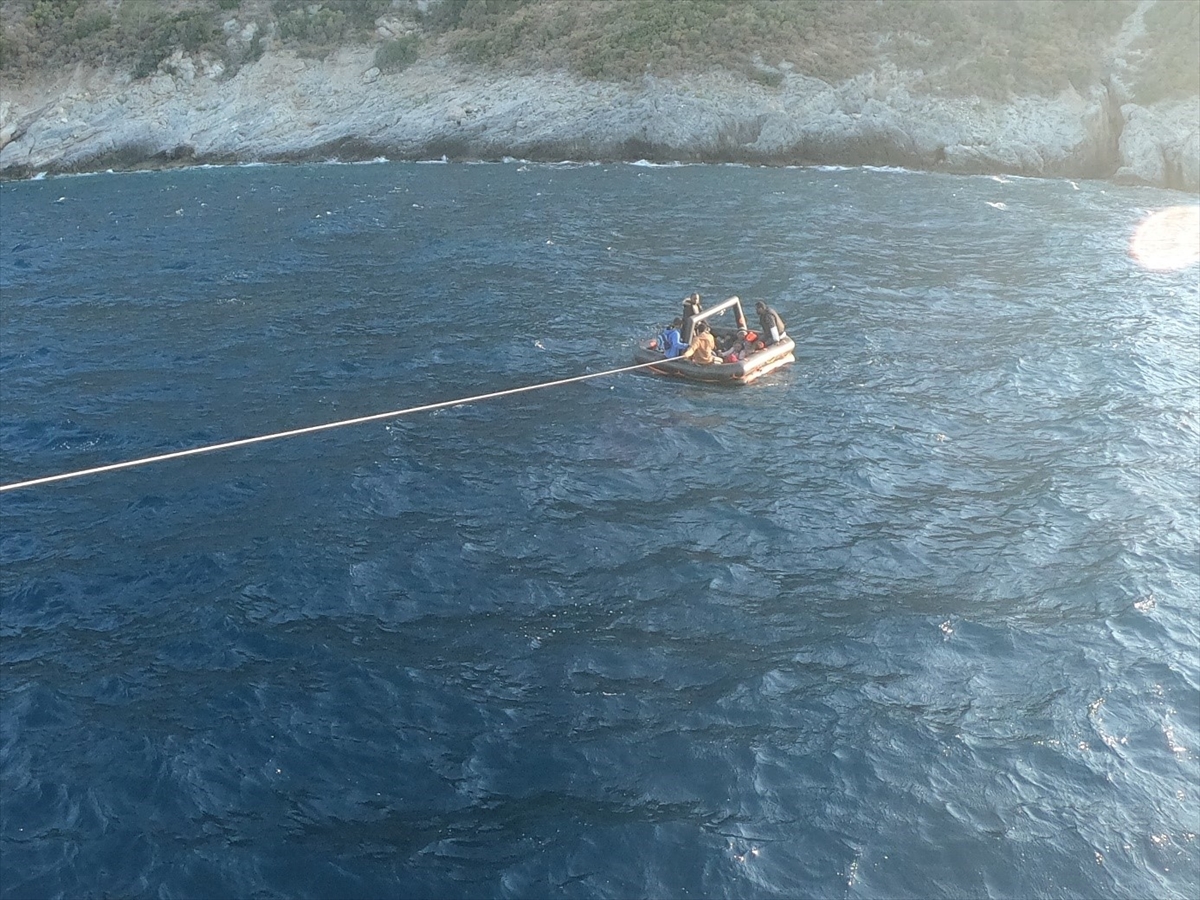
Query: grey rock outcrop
x=285 y=108
x=1161 y=146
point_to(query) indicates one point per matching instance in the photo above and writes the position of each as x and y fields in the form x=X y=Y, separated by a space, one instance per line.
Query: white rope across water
x=312 y=429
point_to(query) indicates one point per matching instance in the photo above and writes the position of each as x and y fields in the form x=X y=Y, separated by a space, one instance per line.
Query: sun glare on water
x=1168 y=239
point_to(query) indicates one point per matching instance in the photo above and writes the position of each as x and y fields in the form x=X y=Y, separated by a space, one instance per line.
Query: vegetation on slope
x=988 y=48
x=139 y=34
x=1170 y=52
x=975 y=47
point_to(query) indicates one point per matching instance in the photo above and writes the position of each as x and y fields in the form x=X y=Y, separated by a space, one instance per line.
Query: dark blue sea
x=915 y=617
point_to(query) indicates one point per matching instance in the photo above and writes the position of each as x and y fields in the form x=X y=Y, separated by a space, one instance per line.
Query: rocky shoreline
x=284 y=108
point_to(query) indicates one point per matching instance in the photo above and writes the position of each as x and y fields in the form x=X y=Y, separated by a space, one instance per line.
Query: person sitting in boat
x=726 y=348
x=691 y=309
x=743 y=347
x=772 y=323
x=670 y=342
x=703 y=347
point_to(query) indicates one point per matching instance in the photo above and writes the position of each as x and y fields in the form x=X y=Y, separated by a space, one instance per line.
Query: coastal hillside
x=1084 y=88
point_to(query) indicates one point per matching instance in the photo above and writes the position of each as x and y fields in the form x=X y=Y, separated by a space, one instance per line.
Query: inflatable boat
x=743 y=371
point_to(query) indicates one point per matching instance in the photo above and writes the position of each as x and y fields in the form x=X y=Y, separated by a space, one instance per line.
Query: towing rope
x=311 y=429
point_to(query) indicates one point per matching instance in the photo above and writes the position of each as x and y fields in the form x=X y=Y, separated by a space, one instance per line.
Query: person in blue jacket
x=670 y=342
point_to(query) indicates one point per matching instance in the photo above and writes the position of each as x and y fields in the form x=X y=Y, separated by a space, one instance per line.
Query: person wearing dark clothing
x=772 y=323
x=691 y=309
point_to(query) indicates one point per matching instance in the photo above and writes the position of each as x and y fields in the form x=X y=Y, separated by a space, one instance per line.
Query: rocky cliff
x=287 y=108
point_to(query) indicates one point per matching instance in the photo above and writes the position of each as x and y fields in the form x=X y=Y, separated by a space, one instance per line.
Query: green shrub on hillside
x=980 y=47
x=159 y=34
x=84 y=25
x=473 y=15
x=325 y=24
x=766 y=77
x=141 y=33
x=1019 y=47
x=319 y=25
x=398 y=54
x=1170 y=65
x=983 y=48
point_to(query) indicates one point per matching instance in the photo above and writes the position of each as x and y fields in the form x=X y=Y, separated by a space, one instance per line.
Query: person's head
x=759 y=306
x=676 y=322
x=701 y=327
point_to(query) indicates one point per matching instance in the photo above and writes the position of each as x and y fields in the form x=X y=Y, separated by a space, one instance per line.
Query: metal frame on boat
x=744 y=371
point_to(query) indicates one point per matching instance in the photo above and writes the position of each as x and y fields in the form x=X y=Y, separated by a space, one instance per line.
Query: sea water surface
x=916 y=617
